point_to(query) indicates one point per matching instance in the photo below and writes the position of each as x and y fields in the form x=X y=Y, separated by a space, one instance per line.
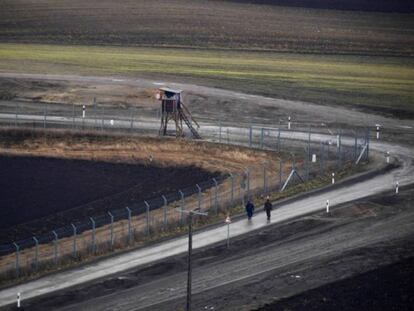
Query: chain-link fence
x=305 y=155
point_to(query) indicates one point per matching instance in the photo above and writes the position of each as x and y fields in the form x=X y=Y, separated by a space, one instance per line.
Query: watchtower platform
x=173 y=109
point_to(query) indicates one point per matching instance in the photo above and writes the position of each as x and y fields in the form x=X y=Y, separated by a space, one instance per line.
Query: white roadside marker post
x=228 y=222
x=388 y=157
x=289 y=123
x=333 y=178
x=83 y=111
x=313 y=158
x=378 y=130
x=18 y=300
x=327 y=206
x=397 y=184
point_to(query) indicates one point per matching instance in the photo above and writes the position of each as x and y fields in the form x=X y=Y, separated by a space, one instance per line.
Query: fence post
x=327 y=154
x=191 y=122
x=215 y=195
x=261 y=138
x=15 y=120
x=307 y=165
x=182 y=205
x=355 y=147
x=339 y=149
x=129 y=225
x=278 y=140
x=232 y=189
x=56 y=246
x=280 y=173
x=111 y=229
x=322 y=156
x=17 y=259
x=367 y=142
x=165 y=211
x=199 y=197
x=220 y=132
x=248 y=182
x=103 y=120
x=250 y=136
x=36 y=261
x=93 y=235
x=74 y=240
x=309 y=142
x=73 y=115
x=228 y=136
x=94 y=114
x=132 y=119
x=44 y=115
x=147 y=206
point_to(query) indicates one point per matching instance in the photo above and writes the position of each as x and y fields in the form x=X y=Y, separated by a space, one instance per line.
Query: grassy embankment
x=384 y=84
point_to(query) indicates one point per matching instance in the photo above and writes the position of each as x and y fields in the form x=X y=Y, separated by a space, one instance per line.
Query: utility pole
x=189 y=267
x=190 y=250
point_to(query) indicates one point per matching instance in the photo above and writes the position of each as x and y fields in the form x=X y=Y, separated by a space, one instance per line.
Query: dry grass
x=116 y=148
x=121 y=149
x=168 y=152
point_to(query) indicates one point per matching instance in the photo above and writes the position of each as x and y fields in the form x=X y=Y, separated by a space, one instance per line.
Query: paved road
x=404 y=174
x=299 y=253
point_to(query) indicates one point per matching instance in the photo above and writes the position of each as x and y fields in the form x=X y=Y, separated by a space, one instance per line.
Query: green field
x=354 y=58
x=384 y=84
x=222 y=24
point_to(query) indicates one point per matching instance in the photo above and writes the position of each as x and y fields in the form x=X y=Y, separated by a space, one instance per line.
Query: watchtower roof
x=168 y=90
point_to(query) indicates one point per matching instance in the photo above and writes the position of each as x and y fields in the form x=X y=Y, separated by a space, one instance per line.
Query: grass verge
x=383 y=84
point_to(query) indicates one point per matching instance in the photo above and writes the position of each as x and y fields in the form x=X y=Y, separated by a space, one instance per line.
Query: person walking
x=268 y=208
x=249 y=209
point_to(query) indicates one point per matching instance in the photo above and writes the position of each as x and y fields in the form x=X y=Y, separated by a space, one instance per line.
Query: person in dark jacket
x=249 y=209
x=268 y=208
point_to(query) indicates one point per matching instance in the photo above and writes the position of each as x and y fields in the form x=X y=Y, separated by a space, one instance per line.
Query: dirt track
x=275 y=262
x=208 y=103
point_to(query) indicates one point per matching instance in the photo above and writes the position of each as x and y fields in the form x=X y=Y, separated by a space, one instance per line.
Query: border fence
x=307 y=155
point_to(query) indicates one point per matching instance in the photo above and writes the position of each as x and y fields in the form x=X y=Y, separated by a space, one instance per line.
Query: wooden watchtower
x=172 y=108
